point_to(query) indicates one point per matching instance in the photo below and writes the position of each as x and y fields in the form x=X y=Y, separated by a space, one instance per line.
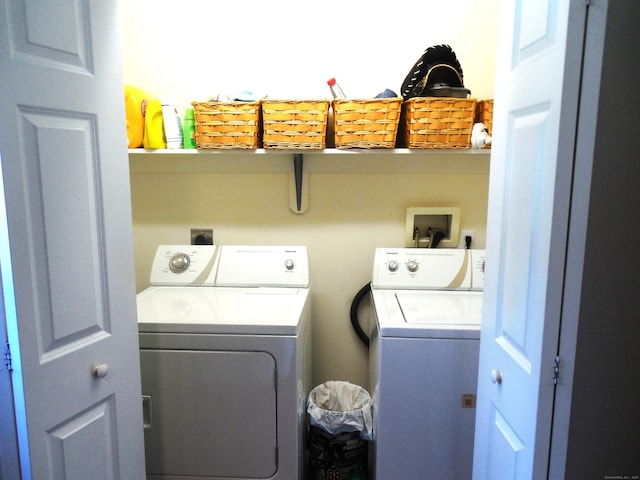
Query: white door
x=73 y=331
x=537 y=73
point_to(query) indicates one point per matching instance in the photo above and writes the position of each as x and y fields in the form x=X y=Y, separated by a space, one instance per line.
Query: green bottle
x=189 y=129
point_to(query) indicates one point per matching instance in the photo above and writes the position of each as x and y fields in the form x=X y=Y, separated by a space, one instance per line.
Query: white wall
x=195 y=49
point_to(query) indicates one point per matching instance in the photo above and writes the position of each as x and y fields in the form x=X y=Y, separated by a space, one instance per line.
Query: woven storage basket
x=227 y=124
x=294 y=124
x=366 y=123
x=437 y=122
x=484 y=114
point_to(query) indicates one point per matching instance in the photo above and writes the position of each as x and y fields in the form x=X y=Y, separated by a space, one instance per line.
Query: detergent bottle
x=153 y=125
x=189 y=129
x=172 y=123
x=135 y=101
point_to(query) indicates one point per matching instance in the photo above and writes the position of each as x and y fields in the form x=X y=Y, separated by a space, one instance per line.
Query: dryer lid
x=224 y=310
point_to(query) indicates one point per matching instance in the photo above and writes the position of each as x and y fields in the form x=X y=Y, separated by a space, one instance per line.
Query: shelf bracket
x=298 y=186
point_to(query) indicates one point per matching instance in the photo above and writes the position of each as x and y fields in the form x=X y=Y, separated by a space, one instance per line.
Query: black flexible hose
x=437 y=237
x=354 y=313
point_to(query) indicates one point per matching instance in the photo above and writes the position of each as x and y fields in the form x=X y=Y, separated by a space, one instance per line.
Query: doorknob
x=496 y=376
x=100 y=370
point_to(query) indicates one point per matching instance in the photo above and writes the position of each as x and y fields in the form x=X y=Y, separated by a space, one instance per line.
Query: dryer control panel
x=430 y=269
x=231 y=266
x=268 y=266
x=184 y=265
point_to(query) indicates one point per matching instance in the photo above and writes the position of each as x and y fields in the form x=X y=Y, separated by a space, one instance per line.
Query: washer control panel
x=423 y=268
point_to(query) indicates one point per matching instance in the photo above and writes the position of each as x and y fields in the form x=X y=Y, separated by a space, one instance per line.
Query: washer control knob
x=496 y=376
x=393 y=266
x=179 y=263
x=412 y=266
x=289 y=264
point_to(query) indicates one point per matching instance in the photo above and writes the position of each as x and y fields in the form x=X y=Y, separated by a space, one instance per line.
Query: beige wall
x=350 y=214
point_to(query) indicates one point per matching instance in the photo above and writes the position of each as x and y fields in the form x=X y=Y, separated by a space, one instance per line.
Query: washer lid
x=228 y=310
x=441 y=308
x=428 y=313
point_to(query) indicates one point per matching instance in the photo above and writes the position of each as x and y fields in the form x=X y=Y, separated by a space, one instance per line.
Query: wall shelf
x=399 y=160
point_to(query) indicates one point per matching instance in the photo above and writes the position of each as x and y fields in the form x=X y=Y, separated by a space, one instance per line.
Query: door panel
x=66 y=185
x=212 y=413
x=524 y=206
x=506 y=447
x=88 y=436
x=64 y=197
x=33 y=40
x=532 y=157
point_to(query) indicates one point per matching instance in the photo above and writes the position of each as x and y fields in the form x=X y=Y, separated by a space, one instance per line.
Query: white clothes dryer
x=424 y=348
x=225 y=348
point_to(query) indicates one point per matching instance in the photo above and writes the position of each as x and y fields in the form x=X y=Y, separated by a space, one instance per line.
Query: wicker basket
x=294 y=124
x=484 y=114
x=227 y=124
x=366 y=123
x=438 y=122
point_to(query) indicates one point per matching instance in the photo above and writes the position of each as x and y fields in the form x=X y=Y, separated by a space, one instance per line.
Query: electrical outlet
x=463 y=238
x=201 y=236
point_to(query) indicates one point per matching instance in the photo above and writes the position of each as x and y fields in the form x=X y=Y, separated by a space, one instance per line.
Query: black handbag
x=437 y=73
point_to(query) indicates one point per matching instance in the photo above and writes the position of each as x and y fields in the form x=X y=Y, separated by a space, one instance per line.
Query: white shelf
x=399 y=160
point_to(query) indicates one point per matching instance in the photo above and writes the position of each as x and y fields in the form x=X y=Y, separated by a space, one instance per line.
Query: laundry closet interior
x=357 y=199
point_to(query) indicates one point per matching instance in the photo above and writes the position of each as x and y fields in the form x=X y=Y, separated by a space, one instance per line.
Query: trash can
x=340 y=427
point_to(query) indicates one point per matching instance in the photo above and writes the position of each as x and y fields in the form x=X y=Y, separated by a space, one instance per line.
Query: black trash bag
x=341 y=425
x=436 y=73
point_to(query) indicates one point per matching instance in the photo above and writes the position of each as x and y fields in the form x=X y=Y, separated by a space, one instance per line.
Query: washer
x=424 y=361
x=225 y=346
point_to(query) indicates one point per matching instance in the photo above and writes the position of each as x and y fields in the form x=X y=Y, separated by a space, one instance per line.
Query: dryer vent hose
x=363 y=292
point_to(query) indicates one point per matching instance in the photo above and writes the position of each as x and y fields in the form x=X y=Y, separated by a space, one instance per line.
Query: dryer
x=225 y=346
x=424 y=361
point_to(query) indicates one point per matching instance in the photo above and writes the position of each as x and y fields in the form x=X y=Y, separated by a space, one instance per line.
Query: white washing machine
x=424 y=361
x=225 y=348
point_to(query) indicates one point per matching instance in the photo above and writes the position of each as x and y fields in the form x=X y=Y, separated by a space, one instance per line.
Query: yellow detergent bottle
x=135 y=101
x=153 y=125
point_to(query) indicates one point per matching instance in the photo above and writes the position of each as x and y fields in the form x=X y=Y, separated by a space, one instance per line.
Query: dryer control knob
x=179 y=263
x=289 y=264
x=412 y=266
x=393 y=266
